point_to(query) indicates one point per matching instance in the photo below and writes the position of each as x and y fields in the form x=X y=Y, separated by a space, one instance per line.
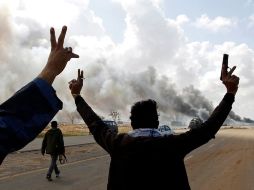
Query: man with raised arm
x=24 y=115
x=143 y=158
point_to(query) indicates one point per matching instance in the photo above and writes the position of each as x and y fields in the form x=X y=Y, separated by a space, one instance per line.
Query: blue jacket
x=24 y=115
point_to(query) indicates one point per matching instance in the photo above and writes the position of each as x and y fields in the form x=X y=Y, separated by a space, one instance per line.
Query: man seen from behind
x=143 y=158
x=53 y=143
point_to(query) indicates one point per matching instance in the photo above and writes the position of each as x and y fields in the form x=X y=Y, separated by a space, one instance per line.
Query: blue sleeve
x=24 y=115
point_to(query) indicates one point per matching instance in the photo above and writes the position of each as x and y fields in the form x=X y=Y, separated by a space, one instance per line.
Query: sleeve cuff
x=78 y=98
x=229 y=97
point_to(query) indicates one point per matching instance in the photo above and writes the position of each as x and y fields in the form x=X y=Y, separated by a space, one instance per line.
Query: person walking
x=53 y=144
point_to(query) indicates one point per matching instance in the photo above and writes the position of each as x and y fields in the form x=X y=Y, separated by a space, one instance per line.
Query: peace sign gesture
x=76 y=85
x=58 y=57
x=57 y=47
x=230 y=81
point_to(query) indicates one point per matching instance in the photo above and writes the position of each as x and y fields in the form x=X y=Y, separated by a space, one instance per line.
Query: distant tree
x=119 y=118
x=69 y=117
x=74 y=115
x=115 y=115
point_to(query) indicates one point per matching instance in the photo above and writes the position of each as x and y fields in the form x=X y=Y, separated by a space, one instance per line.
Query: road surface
x=226 y=163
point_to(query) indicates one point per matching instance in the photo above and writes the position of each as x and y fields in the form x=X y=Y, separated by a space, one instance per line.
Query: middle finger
x=231 y=71
x=61 y=37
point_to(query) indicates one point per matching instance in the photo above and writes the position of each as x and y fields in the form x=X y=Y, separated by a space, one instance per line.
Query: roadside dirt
x=225 y=163
x=16 y=163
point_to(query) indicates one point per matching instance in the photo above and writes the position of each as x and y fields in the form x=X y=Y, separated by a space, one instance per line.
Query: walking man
x=53 y=143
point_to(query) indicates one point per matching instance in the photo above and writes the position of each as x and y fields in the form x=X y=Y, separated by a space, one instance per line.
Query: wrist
x=228 y=92
x=232 y=91
x=47 y=76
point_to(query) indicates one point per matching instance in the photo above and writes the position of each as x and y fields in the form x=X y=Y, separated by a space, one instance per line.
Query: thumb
x=74 y=55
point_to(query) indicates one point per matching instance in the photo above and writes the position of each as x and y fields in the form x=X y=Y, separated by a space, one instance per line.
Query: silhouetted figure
x=53 y=143
x=24 y=115
x=143 y=159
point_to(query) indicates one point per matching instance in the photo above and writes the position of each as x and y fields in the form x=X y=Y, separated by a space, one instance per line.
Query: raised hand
x=58 y=57
x=76 y=85
x=230 y=81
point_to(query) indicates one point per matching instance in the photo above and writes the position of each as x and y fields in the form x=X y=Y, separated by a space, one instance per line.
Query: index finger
x=61 y=37
x=231 y=71
x=52 y=38
x=78 y=73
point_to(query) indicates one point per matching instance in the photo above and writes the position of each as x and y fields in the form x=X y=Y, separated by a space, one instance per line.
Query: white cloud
x=182 y=19
x=216 y=24
x=54 y=13
x=150 y=38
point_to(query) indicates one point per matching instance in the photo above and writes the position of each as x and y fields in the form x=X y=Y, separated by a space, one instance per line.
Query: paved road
x=68 y=141
x=87 y=174
x=226 y=163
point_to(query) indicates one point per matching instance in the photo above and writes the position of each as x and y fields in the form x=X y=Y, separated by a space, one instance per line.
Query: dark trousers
x=53 y=165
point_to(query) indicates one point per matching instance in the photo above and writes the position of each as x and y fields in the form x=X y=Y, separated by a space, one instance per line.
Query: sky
x=130 y=50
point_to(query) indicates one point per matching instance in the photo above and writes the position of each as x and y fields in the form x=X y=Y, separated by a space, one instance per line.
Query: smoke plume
x=154 y=61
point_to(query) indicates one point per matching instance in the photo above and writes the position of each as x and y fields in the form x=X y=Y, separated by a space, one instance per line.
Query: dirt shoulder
x=17 y=163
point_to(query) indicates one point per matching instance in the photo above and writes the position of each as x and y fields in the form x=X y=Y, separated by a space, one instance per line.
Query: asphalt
x=68 y=141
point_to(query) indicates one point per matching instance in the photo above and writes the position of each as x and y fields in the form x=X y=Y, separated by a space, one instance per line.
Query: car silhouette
x=112 y=125
x=165 y=130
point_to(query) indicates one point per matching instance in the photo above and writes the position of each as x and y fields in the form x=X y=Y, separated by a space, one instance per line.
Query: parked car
x=166 y=130
x=112 y=124
x=195 y=122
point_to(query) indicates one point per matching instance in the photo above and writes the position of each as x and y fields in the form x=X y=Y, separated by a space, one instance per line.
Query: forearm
x=102 y=134
x=86 y=112
x=201 y=135
x=219 y=115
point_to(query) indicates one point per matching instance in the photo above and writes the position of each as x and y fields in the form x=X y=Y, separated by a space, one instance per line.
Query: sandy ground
x=226 y=163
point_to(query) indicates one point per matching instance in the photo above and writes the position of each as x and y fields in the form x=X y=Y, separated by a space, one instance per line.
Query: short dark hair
x=54 y=124
x=144 y=114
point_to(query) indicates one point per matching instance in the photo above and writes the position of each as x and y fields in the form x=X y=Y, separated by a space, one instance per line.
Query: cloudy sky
x=130 y=50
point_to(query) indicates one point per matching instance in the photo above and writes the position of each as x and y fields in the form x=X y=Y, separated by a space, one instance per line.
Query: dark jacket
x=151 y=162
x=24 y=115
x=53 y=142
